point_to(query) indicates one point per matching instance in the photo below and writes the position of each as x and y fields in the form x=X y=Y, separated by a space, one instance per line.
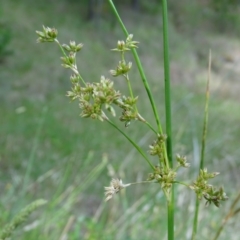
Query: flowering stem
x=140 y=68
x=132 y=142
x=204 y=135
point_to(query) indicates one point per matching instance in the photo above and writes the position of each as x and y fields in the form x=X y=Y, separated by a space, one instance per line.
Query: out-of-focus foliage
x=226 y=14
x=98 y=8
x=214 y=15
x=5 y=38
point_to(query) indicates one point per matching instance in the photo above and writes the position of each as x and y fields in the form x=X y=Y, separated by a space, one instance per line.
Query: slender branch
x=150 y=126
x=182 y=183
x=133 y=143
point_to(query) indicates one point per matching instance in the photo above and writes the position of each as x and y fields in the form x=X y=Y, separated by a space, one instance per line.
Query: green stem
x=130 y=184
x=130 y=89
x=150 y=126
x=204 y=136
x=59 y=44
x=167 y=83
x=170 y=219
x=168 y=115
x=182 y=183
x=132 y=142
x=140 y=68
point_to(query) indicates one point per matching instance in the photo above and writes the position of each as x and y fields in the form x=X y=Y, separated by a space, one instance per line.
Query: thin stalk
x=130 y=89
x=150 y=126
x=167 y=83
x=182 y=183
x=140 y=68
x=168 y=114
x=204 y=136
x=170 y=219
x=133 y=143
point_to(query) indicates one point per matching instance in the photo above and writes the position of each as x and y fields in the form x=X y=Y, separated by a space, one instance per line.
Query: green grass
x=65 y=152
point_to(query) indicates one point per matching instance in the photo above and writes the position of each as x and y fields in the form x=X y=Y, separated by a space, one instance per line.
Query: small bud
x=113 y=73
x=72 y=44
x=74 y=78
x=129 y=38
x=65 y=60
x=79 y=47
x=71 y=57
x=52 y=33
x=66 y=47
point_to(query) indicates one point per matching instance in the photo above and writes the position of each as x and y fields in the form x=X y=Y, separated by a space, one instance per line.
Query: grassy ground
x=47 y=151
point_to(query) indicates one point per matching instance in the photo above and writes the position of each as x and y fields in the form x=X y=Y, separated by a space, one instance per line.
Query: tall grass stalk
x=168 y=114
x=204 y=136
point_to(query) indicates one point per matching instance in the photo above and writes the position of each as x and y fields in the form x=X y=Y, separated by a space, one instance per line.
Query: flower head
x=47 y=35
x=115 y=186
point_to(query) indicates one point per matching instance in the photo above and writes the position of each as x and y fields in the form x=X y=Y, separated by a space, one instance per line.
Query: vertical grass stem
x=168 y=114
x=204 y=136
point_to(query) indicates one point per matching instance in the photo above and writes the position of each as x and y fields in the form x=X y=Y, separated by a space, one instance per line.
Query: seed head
x=115 y=186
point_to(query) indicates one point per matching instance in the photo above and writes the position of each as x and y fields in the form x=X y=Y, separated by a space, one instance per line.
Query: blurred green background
x=47 y=151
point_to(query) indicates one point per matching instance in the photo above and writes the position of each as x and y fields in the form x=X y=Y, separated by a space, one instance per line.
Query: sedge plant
x=100 y=100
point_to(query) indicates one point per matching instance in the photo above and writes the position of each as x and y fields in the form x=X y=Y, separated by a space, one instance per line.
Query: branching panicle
x=95 y=98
